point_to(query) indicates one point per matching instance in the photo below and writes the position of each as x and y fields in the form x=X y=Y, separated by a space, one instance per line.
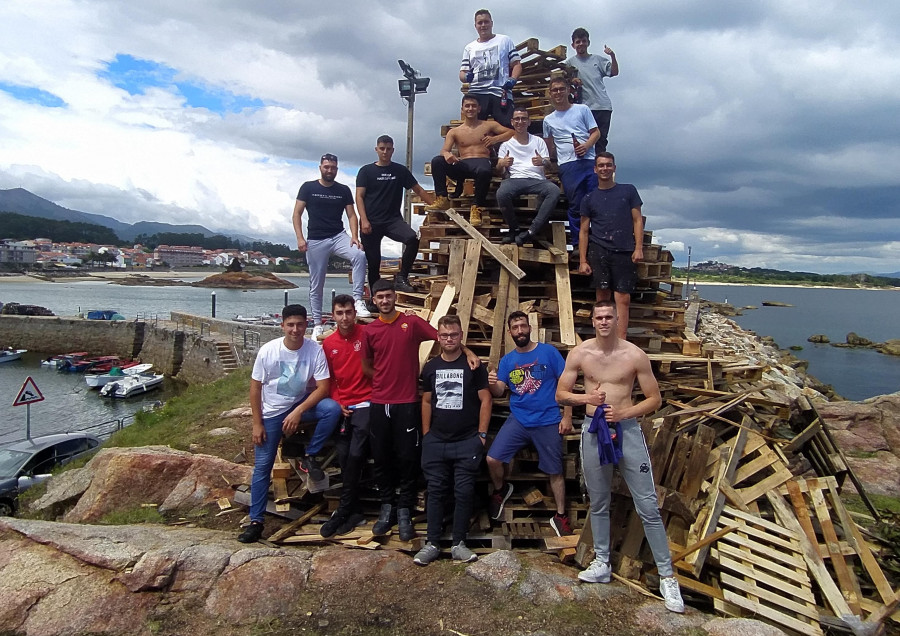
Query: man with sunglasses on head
x=491 y=66
x=327 y=201
x=523 y=158
x=571 y=133
x=379 y=195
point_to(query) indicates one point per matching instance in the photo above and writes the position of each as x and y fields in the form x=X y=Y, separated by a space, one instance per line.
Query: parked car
x=29 y=462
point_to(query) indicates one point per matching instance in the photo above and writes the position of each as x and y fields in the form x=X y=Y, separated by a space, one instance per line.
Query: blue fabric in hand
x=509 y=83
x=608 y=447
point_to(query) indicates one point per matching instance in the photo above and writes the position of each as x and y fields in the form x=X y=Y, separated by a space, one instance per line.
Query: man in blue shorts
x=612 y=237
x=531 y=372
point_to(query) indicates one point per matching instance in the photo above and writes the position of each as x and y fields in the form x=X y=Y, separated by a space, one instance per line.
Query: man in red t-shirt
x=391 y=359
x=352 y=390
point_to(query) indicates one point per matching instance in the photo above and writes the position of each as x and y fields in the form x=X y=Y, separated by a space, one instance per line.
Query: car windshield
x=11 y=461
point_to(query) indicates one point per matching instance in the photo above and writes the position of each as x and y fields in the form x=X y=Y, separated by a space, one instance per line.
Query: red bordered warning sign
x=28 y=394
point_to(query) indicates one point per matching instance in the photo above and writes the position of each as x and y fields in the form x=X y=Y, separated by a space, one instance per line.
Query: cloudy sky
x=760 y=134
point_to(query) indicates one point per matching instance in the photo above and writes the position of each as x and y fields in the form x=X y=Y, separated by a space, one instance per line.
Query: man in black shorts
x=379 y=195
x=611 y=238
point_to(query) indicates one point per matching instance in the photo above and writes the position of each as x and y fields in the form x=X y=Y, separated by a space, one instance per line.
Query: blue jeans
x=577 y=179
x=326 y=415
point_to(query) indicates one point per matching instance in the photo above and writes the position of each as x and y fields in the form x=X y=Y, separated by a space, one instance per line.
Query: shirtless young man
x=610 y=366
x=473 y=139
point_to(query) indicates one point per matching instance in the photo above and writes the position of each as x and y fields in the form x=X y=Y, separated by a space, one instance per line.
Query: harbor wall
x=172 y=348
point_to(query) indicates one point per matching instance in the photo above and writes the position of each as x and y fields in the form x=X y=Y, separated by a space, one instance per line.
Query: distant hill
x=22 y=201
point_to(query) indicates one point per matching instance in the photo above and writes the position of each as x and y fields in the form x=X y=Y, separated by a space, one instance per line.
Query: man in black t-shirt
x=379 y=196
x=327 y=201
x=456 y=412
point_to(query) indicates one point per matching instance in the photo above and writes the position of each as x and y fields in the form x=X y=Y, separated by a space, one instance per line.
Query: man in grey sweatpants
x=612 y=435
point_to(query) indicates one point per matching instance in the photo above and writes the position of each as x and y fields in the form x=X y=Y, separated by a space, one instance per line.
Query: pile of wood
x=747 y=475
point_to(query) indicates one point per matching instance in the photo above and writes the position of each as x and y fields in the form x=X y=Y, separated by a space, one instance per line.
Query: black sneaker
x=560 y=524
x=310 y=466
x=498 y=499
x=351 y=523
x=509 y=238
x=401 y=284
x=251 y=533
x=386 y=520
x=405 y=527
x=524 y=237
x=330 y=527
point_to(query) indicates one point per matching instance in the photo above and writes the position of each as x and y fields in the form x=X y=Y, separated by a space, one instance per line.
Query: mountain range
x=22 y=201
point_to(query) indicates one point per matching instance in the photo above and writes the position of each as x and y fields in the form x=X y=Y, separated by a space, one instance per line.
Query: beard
x=522 y=339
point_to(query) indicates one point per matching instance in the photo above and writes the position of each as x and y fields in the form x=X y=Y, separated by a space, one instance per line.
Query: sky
x=761 y=134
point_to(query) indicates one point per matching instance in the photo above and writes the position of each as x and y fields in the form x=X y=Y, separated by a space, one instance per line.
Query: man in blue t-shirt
x=531 y=372
x=327 y=202
x=612 y=237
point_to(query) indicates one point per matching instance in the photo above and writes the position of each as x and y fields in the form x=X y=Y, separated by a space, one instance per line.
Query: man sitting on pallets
x=523 y=159
x=531 y=372
x=473 y=139
x=610 y=366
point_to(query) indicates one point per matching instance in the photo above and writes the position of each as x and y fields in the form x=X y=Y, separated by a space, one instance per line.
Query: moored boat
x=130 y=385
x=97 y=380
x=8 y=355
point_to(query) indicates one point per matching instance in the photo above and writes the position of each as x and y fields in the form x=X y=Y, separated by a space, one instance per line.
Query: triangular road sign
x=28 y=394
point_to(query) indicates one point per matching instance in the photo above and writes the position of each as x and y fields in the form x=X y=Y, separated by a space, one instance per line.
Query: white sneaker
x=361 y=310
x=318 y=330
x=671 y=593
x=597 y=572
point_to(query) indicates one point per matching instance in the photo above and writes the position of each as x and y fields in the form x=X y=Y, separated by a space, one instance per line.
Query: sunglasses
x=328 y=157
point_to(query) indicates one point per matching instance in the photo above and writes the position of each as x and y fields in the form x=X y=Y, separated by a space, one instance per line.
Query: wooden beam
x=467 y=289
x=442 y=308
x=564 y=289
x=490 y=248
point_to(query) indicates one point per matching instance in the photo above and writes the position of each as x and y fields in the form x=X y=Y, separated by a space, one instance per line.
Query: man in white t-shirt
x=523 y=158
x=289 y=385
x=491 y=66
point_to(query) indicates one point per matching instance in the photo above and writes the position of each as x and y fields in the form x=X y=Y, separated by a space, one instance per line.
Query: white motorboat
x=96 y=380
x=8 y=355
x=132 y=385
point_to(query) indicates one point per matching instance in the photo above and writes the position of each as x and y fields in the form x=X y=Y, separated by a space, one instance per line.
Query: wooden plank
x=563 y=289
x=442 y=308
x=514 y=270
x=814 y=562
x=500 y=308
x=290 y=528
x=457 y=262
x=846 y=578
x=798 y=573
x=715 y=536
x=799 y=592
x=768 y=612
x=467 y=289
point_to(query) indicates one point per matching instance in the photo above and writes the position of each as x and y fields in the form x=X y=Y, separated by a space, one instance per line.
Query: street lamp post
x=409 y=87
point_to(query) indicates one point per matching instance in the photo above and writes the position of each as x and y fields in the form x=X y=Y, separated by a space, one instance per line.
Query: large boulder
x=869 y=433
x=122 y=478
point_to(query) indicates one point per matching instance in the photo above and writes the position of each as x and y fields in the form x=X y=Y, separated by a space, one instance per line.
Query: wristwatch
x=482 y=435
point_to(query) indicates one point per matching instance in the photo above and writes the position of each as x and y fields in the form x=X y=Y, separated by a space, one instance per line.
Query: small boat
x=131 y=385
x=97 y=380
x=104 y=314
x=260 y=319
x=8 y=355
x=63 y=358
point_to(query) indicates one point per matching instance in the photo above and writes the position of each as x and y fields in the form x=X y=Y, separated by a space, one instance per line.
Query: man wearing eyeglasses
x=456 y=412
x=327 y=202
x=523 y=159
x=571 y=133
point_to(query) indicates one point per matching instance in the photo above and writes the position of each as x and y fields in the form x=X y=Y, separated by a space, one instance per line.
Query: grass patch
x=185 y=419
x=131 y=516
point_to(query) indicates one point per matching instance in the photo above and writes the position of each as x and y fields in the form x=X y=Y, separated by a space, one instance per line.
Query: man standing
x=531 y=372
x=352 y=390
x=523 y=157
x=491 y=65
x=379 y=196
x=591 y=71
x=571 y=132
x=456 y=412
x=390 y=352
x=328 y=201
x=612 y=237
x=280 y=399
x=473 y=140
x=610 y=366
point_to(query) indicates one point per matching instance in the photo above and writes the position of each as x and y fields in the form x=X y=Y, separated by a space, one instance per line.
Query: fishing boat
x=130 y=385
x=8 y=355
x=97 y=380
x=63 y=358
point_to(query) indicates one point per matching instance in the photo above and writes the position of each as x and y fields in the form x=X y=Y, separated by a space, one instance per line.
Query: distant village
x=44 y=253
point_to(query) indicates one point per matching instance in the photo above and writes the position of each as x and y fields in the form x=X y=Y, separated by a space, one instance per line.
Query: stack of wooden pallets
x=750 y=535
